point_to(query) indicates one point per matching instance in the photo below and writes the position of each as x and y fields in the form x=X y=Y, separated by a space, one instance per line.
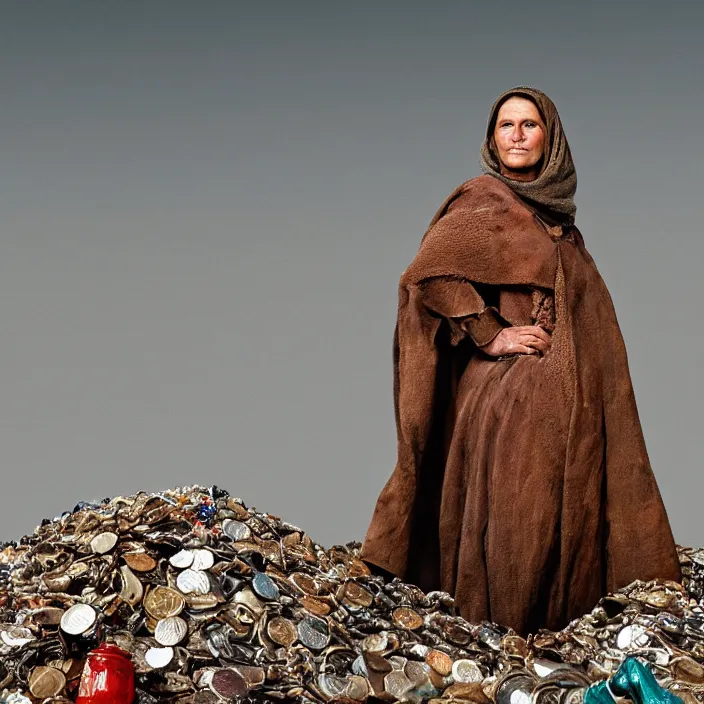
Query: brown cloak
x=522 y=485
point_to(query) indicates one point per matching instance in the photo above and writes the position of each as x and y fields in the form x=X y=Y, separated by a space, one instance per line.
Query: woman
x=523 y=486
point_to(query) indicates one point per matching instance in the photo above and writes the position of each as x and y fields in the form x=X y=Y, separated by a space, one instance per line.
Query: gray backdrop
x=206 y=208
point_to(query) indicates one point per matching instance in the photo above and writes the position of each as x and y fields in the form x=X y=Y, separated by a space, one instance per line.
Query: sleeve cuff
x=484 y=326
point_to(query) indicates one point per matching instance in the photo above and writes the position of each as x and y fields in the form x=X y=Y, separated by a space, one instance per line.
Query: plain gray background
x=206 y=208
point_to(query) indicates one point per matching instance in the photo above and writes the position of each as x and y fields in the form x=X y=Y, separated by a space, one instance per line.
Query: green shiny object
x=633 y=680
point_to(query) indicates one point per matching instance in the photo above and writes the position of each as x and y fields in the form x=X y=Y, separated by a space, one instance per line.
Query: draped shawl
x=554 y=188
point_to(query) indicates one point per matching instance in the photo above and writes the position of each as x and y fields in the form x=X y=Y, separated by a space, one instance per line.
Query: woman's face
x=519 y=136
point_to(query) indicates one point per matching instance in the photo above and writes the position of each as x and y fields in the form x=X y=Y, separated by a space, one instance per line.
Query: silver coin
x=182 y=559
x=193 y=582
x=265 y=586
x=313 y=633
x=631 y=637
x=78 y=619
x=202 y=560
x=236 y=530
x=103 y=542
x=157 y=658
x=170 y=631
x=397 y=684
x=17 y=698
x=464 y=670
x=331 y=685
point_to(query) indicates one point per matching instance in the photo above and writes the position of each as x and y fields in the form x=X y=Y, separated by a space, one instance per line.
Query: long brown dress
x=523 y=486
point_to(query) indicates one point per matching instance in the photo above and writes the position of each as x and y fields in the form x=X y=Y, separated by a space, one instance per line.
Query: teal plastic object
x=634 y=680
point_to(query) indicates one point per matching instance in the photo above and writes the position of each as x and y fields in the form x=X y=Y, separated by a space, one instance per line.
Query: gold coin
x=139 y=561
x=307 y=584
x=46 y=682
x=357 y=568
x=281 y=631
x=315 y=606
x=163 y=602
x=440 y=662
x=253 y=676
x=407 y=618
x=356 y=594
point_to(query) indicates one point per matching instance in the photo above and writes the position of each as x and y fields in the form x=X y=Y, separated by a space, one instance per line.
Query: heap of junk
x=189 y=596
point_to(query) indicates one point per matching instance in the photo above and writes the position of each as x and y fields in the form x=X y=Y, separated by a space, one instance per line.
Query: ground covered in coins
x=217 y=602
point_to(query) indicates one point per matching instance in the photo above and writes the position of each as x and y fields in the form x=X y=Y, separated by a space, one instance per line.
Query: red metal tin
x=108 y=677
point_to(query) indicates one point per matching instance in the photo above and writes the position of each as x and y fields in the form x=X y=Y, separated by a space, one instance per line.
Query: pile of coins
x=218 y=602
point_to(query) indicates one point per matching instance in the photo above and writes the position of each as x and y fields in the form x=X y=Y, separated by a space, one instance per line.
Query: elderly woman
x=523 y=486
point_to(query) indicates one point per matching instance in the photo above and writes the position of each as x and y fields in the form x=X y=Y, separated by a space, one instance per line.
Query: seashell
x=515 y=688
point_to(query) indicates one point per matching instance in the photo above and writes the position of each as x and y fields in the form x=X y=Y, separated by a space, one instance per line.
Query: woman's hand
x=521 y=339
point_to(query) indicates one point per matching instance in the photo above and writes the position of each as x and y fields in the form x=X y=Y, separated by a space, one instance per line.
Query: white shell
x=631 y=637
x=170 y=631
x=203 y=678
x=465 y=671
x=103 y=542
x=193 y=582
x=78 y=619
x=359 y=667
x=17 y=637
x=247 y=597
x=420 y=650
x=132 y=588
x=182 y=559
x=544 y=667
x=518 y=696
x=159 y=657
x=202 y=559
x=17 y=698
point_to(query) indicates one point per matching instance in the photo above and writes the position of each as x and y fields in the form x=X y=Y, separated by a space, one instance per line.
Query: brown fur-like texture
x=522 y=485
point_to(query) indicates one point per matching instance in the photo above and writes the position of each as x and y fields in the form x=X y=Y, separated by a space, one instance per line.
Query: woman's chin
x=518 y=164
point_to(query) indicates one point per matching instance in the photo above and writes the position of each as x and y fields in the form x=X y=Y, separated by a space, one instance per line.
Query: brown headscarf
x=552 y=192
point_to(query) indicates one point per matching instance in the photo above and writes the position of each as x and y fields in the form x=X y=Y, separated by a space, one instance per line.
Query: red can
x=107 y=678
